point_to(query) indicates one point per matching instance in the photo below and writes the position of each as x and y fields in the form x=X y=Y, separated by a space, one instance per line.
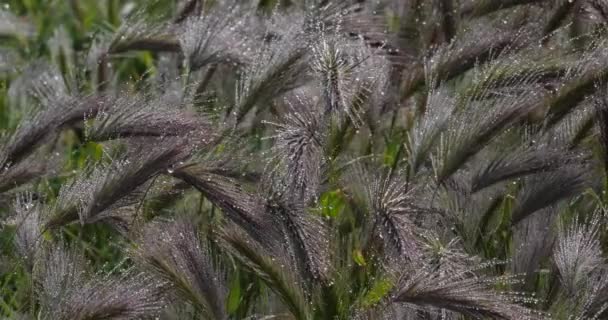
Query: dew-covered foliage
x=303 y=159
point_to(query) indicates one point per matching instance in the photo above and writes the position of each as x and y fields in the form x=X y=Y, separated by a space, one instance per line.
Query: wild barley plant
x=304 y=159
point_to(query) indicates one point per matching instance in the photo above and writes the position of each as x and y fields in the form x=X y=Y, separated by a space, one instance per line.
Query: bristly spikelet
x=480 y=114
x=58 y=273
x=578 y=252
x=428 y=128
x=306 y=238
x=141 y=116
x=533 y=242
x=216 y=36
x=461 y=55
x=27 y=222
x=527 y=160
x=581 y=265
x=461 y=290
x=275 y=271
x=393 y=210
x=138 y=34
x=348 y=73
x=298 y=151
x=66 y=291
x=25 y=171
x=544 y=189
x=467 y=210
x=96 y=195
x=242 y=207
x=574 y=128
x=177 y=252
x=277 y=66
x=44 y=88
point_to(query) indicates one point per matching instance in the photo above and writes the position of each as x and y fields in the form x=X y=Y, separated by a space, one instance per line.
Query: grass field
x=303 y=159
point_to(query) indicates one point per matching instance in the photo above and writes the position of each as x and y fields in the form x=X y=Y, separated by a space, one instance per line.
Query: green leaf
x=359 y=258
x=378 y=291
x=234 y=296
x=332 y=203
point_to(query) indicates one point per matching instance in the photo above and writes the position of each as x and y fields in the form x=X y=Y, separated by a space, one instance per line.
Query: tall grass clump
x=303 y=159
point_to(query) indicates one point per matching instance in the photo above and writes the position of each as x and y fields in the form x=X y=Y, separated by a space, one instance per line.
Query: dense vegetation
x=302 y=159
